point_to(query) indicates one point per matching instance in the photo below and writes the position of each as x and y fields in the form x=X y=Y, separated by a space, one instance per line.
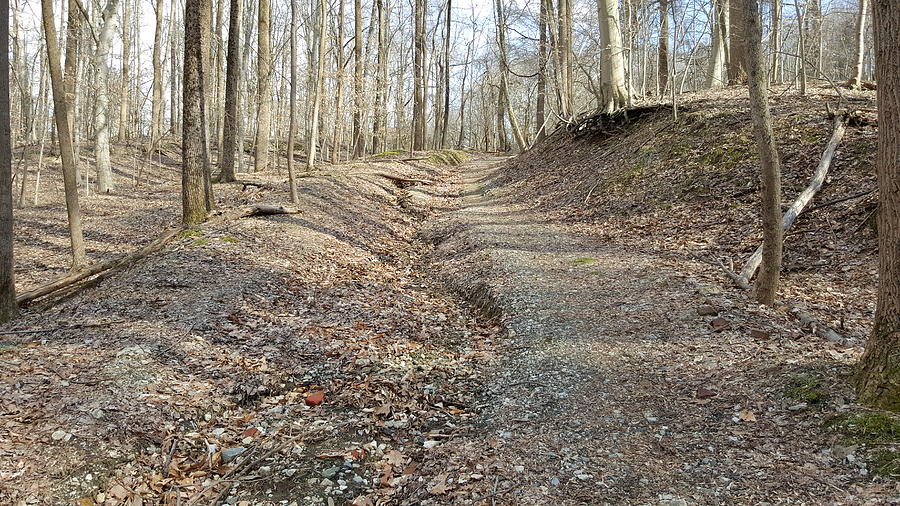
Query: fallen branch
x=267 y=210
x=404 y=180
x=98 y=268
x=818 y=328
x=386 y=160
x=818 y=179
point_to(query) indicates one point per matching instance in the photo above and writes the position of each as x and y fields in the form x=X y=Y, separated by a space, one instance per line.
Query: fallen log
x=403 y=180
x=72 y=278
x=805 y=197
x=268 y=210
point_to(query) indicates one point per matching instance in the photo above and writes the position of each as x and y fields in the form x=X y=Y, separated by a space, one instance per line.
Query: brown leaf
x=440 y=485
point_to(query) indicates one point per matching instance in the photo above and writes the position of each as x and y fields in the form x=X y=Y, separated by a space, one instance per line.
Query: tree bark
x=716 y=76
x=878 y=376
x=860 y=43
x=7 y=266
x=156 y=105
x=541 y=103
x=504 y=76
x=737 y=45
x=292 y=127
x=663 y=54
x=358 y=142
x=193 y=194
x=64 y=135
x=232 y=91
x=775 y=41
x=770 y=174
x=339 y=93
x=612 y=69
x=320 y=83
x=264 y=79
x=101 y=112
x=419 y=75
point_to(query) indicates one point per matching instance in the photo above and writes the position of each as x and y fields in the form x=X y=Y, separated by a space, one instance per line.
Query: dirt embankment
x=306 y=358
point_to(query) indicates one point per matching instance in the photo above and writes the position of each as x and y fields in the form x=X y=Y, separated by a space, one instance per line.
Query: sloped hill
x=689 y=188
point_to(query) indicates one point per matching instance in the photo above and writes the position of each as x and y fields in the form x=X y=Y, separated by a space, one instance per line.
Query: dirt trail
x=613 y=388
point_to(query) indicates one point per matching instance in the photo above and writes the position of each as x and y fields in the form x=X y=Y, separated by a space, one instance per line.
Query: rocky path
x=625 y=379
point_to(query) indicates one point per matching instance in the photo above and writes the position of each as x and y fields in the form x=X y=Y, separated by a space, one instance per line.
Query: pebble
x=519 y=469
x=330 y=472
x=59 y=435
x=230 y=454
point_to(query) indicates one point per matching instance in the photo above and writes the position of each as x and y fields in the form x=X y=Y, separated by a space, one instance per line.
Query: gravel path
x=614 y=388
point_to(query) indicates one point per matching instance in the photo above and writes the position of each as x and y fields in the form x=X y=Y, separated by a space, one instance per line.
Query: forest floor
x=427 y=334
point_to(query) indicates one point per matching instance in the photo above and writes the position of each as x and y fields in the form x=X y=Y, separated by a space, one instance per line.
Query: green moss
x=806 y=388
x=226 y=238
x=389 y=153
x=584 y=260
x=886 y=463
x=451 y=157
x=200 y=242
x=725 y=157
x=190 y=232
x=867 y=427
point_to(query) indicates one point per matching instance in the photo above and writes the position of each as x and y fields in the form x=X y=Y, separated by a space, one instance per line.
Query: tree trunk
x=7 y=281
x=419 y=76
x=801 y=57
x=358 y=142
x=193 y=155
x=504 y=76
x=101 y=116
x=860 y=43
x=156 y=107
x=445 y=122
x=663 y=55
x=737 y=45
x=232 y=91
x=339 y=93
x=540 y=106
x=878 y=376
x=770 y=175
x=612 y=68
x=320 y=84
x=292 y=127
x=264 y=80
x=716 y=76
x=379 y=124
x=64 y=135
x=775 y=41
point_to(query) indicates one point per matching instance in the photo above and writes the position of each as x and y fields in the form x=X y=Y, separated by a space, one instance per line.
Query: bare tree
x=878 y=376
x=232 y=92
x=264 y=80
x=612 y=69
x=716 y=75
x=193 y=154
x=737 y=45
x=358 y=142
x=7 y=280
x=107 y=24
x=292 y=128
x=339 y=93
x=419 y=72
x=770 y=171
x=321 y=36
x=64 y=135
x=860 y=42
x=504 y=75
x=156 y=105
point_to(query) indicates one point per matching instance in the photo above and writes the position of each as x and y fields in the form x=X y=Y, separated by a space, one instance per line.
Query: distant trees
x=878 y=376
x=770 y=171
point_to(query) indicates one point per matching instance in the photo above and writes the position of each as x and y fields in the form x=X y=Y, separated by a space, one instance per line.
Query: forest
x=480 y=252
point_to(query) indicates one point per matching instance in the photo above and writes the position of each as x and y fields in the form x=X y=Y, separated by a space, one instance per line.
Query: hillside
x=690 y=189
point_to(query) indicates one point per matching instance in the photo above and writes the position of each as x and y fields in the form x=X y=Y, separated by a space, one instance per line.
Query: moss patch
x=584 y=260
x=867 y=427
x=886 y=463
x=229 y=239
x=190 y=232
x=806 y=388
x=451 y=157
